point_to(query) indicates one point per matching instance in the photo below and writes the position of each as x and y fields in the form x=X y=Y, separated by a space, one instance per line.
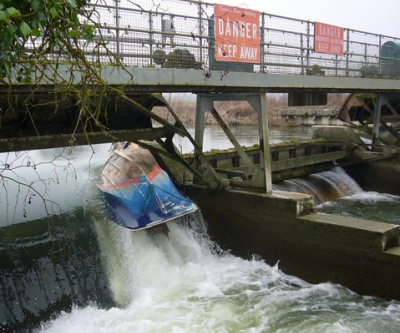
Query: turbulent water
x=180 y=283
x=325 y=186
x=368 y=205
x=78 y=272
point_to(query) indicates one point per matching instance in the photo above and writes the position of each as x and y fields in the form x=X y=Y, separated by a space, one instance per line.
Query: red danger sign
x=328 y=39
x=237 y=34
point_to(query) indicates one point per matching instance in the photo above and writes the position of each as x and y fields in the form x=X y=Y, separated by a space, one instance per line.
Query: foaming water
x=376 y=206
x=324 y=186
x=183 y=283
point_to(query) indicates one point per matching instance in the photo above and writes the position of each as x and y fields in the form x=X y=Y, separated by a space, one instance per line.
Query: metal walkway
x=170 y=46
x=144 y=47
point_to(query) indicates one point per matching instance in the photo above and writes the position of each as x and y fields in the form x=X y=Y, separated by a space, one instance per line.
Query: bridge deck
x=137 y=80
x=170 y=45
x=191 y=80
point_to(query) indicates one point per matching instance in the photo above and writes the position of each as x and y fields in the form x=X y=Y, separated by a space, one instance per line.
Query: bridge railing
x=179 y=33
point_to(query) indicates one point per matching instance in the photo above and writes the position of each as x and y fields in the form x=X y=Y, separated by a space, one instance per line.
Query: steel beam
x=205 y=102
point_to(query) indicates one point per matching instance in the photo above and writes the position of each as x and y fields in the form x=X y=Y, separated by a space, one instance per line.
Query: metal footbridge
x=170 y=45
x=143 y=48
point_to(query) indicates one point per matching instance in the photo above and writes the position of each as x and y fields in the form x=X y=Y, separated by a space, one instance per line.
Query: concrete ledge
x=282 y=228
x=362 y=235
x=393 y=251
x=299 y=203
x=351 y=222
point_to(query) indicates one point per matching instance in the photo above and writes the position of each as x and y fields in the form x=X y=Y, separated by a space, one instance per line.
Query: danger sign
x=237 y=34
x=328 y=39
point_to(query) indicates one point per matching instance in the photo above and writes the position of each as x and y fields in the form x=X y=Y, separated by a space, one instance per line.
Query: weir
x=239 y=192
x=122 y=269
x=283 y=227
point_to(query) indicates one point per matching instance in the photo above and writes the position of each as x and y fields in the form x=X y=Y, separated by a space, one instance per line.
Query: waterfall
x=182 y=282
x=324 y=186
x=79 y=272
x=136 y=261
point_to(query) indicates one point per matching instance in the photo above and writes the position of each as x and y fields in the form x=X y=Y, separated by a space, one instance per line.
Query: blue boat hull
x=139 y=193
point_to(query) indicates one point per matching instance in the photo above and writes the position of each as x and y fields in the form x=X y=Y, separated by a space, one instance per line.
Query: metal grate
x=178 y=33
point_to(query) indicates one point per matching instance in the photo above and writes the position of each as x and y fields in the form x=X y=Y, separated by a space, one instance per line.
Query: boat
x=138 y=192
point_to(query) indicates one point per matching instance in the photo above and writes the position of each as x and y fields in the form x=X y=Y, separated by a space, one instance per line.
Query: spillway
x=182 y=282
x=79 y=272
x=324 y=186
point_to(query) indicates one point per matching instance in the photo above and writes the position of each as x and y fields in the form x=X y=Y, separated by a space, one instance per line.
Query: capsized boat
x=140 y=194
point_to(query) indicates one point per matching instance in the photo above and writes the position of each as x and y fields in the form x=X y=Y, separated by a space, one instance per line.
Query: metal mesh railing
x=179 y=33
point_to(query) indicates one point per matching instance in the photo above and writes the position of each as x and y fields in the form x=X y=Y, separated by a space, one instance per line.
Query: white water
x=184 y=284
x=375 y=206
x=324 y=186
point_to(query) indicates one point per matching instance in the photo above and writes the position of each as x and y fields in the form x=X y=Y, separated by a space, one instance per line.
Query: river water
x=79 y=272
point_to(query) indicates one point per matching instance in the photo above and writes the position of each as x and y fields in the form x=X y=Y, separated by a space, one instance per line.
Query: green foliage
x=30 y=28
x=60 y=42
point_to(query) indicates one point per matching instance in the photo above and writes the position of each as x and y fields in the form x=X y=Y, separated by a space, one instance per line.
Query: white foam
x=180 y=285
x=372 y=197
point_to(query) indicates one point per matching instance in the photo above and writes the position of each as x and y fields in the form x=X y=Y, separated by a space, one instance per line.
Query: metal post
x=366 y=54
x=200 y=14
x=202 y=106
x=117 y=28
x=380 y=101
x=151 y=37
x=336 y=64
x=233 y=140
x=301 y=54
x=205 y=102
x=347 y=52
x=259 y=103
x=209 y=175
x=308 y=44
x=262 y=39
x=380 y=60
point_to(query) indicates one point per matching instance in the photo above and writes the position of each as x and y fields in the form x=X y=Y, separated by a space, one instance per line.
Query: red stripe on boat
x=133 y=181
x=154 y=172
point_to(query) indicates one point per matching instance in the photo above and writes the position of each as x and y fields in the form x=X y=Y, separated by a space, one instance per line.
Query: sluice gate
x=294 y=160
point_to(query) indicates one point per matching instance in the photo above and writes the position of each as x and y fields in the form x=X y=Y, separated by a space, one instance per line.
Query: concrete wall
x=282 y=227
x=381 y=176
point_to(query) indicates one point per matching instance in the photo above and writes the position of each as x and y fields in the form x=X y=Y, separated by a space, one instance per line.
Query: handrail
x=135 y=31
